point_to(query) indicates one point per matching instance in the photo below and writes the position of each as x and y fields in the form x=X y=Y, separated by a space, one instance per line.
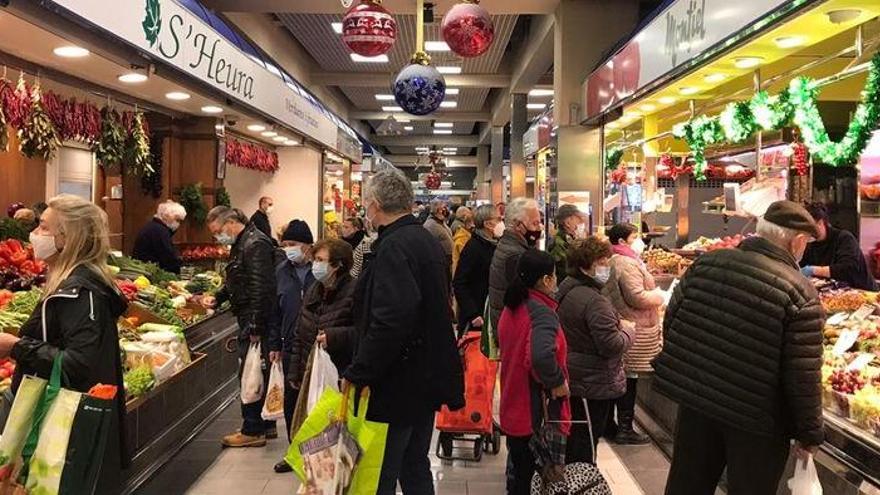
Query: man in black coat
x=836 y=254
x=743 y=359
x=471 y=280
x=153 y=243
x=406 y=351
x=250 y=288
x=260 y=218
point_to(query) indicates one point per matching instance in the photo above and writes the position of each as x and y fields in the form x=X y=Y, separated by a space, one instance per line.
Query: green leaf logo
x=152 y=21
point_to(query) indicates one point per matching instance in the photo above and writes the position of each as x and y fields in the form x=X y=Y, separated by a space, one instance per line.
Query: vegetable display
x=25 y=302
x=18 y=268
x=139 y=381
x=131 y=269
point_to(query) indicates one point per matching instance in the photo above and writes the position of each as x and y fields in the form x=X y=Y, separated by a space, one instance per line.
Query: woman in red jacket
x=533 y=352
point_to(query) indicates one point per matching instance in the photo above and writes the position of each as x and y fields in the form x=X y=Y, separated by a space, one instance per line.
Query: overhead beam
x=434 y=140
x=382 y=80
x=444 y=116
x=451 y=161
x=398 y=6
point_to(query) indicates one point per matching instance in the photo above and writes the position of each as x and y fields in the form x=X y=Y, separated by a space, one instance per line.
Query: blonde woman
x=77 y=317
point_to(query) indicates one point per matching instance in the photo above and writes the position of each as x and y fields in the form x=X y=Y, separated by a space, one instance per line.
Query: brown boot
x=239 y=439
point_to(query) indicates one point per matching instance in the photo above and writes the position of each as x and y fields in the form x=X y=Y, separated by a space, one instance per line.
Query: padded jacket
x=744 y=342
x=328 y=310
x=250 y=282
x=471 y=281
x=503 y=270
x=596 y=339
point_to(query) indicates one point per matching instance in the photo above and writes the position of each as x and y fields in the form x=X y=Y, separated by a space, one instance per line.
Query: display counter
x=162 y=421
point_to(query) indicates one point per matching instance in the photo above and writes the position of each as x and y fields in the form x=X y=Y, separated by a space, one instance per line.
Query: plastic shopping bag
x=805 y=480
x=273 y=408
x=324 y=375
x=370 y=436
x=252 y=375
x=488 y=337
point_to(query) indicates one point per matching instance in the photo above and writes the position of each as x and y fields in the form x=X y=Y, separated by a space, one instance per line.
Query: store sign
x=686 y=29
x=349 y=146
x=536 y=138
x=171 y=33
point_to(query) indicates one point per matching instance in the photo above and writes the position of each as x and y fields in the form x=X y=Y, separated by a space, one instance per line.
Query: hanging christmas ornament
x=419 y=88
x=432 y=180
x=468 y=29
x=368 y=29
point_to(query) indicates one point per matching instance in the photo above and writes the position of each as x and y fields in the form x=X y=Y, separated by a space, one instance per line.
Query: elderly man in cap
x=743 y=359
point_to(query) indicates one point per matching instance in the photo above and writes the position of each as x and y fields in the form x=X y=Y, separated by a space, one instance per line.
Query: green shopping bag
x=370 y=436
x=488 y=337
x=18 y=425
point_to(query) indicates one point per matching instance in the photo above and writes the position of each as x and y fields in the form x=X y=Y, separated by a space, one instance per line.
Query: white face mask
x=321 y=270
x=44 y=246
x=269 y=209
x=174 y=226
x=499 y=229
x=294 y=254
x=638 y=246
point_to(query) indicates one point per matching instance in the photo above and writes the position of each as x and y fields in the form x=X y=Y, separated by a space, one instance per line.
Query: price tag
x=861 y=361
x=845 y=341
x=863 y=312
x=836 y=319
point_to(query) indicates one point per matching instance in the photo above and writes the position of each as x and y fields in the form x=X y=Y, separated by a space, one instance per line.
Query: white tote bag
x=324 y=375
x=252 y=376
x=273 y=408
x=805 y=480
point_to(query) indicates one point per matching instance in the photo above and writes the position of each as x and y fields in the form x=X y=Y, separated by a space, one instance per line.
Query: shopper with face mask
x=153 y=243
x=471 y=281
x=597 y=340
x=570 y=225
x=637 y=298
x=522 y=230
x=436 y=225
x=744 y=361
x=249 y=286
x=260 y=218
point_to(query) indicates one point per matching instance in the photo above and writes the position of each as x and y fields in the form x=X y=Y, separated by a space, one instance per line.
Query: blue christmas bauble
x=419 y=89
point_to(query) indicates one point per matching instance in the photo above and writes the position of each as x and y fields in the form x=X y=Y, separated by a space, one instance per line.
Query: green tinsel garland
x=613 y=159
x=192 y=200
x=797 y=104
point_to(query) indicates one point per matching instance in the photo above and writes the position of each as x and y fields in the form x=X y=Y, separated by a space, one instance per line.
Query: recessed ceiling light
x=279 y=139
x=452 y=91
x=403 y=121
x=747 y=62
x=450 y=149
x=648 y=107
x=291 y=142
x=449 y=69
x=71 y=51
x=442 y=131
x=631 y=115
x=688 y=90
x=541 y=92
x=789 y=41
x=392 y=109
x=408 y=128
x=449 y=104
x=536 y=106
x=843 y=15
x=421 y=148
x=269 y=134
x=256 y=128
x=612 y=125
x=436 y=46
x=714 y=78
x=444 y=125
x=132 y=78
x=667 y=100
x=211 y=109
x=379 y=59
x=337 y=27
x=385 y=97
x=177 y=96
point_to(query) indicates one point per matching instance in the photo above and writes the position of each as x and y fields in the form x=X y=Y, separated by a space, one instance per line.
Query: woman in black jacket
x=471 y=281
x=81 y=306
x=597 y=340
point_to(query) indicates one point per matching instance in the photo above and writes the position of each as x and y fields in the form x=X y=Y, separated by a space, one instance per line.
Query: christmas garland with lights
x=796 y=105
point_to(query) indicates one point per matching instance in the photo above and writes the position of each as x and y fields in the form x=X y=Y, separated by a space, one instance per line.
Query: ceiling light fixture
x=452 y=91
x=279 y=139
x=612 y=125
x=789 y=41
x=688 y=90
x=443 y=131
x=291 y=142
x=211 y=109
x=444 y=125
x=449 y=69
x=379 y=59
x=132 y=77
x=536 y=106
x=71 y=51
x=541 y=92
x=436 y=46
x=449 y=104
x=667 y=100
x=714 y=78
x=256 y=128
x=843 y=15
x=403 y=121
x=337 y=27
x=408 y=128
x=177 y=96
x=385 y=97
x=269 y=134
x=392 y=109
x=747 y=62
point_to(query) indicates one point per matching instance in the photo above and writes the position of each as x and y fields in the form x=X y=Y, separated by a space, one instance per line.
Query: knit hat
x=793 y=216
x=298 y=231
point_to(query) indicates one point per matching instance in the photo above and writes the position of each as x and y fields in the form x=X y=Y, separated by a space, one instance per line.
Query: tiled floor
x=203 y=468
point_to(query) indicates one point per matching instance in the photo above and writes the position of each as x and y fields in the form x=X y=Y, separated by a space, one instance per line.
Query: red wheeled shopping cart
x=473 y=423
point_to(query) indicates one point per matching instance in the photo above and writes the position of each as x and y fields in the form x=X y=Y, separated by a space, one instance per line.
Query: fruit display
x=204 y=252
x=714 y=244
x=132 y=269
x=18 y=268
x=662 y=261
x=837 y=301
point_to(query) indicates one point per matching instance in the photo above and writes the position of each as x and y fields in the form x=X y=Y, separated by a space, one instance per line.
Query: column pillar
x=498 y=165
x=518 y=126
x=580 y=148
x=483 y=180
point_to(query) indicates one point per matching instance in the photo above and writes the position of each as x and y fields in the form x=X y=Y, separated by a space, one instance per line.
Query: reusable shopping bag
x=370 y=436
x=301 y=409
x=580 y=478
x=273 y=408
x=330 y=458
x=488 y=337
x=252 y=375
x=548 y=444
x=18 y=425
x=88 y=441
x=805 y=480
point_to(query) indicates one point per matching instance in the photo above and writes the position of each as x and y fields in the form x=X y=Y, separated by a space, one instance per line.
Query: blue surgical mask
x=603 y=273
x=320 y=269
x=224 y=239
x=294 y=253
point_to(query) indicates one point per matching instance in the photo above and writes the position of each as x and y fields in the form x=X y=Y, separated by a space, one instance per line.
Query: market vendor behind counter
x=836 y=254
x=153 y=243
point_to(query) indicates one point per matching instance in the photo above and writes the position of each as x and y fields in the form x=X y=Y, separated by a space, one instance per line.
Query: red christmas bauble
x=368 y=29
x=468 y=29
x=432 y=181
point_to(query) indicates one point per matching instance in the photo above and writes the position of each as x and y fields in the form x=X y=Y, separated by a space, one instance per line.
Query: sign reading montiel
x=684 y=30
